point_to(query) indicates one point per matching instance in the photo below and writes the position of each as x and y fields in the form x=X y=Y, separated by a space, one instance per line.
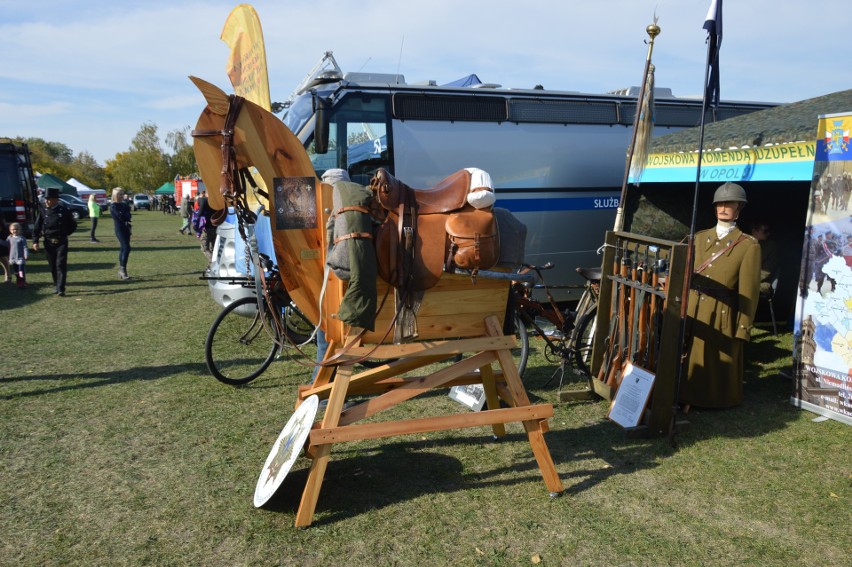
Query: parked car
x=141 y=202
x=78 y=207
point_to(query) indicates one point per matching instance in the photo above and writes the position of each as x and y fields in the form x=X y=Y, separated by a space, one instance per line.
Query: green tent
x=48 y=181
x=167 y=188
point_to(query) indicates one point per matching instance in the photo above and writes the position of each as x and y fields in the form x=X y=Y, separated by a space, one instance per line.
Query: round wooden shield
x=285 y=451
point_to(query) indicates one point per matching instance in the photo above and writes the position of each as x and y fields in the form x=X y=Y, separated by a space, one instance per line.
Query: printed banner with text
x=823 y=328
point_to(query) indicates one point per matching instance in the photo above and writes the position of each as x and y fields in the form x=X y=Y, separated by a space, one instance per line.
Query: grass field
x=118 y=448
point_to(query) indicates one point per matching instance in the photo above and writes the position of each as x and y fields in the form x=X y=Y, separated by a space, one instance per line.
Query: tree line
x=141 y=169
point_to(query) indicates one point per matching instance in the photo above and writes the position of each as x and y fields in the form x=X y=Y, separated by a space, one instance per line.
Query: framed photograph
x=295 y=200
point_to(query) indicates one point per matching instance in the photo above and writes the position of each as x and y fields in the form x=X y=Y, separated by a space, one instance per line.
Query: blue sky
x=88 y=74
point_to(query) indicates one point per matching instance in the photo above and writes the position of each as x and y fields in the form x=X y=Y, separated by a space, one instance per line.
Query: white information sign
x=632 y=396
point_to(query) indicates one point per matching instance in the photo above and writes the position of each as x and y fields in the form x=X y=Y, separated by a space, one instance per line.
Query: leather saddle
x=450 y=194
x=428 y=231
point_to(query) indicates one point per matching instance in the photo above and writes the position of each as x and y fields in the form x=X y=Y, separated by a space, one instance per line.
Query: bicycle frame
x=566 y=344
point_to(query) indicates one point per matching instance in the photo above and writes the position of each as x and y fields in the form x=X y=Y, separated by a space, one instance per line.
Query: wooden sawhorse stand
x=339 y=425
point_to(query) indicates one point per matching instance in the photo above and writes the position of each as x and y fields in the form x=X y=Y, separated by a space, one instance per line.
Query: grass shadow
x=55 y=383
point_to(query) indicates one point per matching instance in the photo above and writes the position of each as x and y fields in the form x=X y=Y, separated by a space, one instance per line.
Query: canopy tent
x=467 y=81
x=79 y=184
x=771 y=153
x=167 y=188
x=48 y=181
x=776 y=144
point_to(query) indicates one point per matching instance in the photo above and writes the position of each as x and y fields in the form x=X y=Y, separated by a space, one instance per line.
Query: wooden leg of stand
x=535 y=429
x=507 y=363
x=305 y=514
x=542 y=457
x=491 y=397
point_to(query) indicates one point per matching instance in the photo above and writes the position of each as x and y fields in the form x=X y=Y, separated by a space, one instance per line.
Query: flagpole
x=653 y=30
x=690 y=249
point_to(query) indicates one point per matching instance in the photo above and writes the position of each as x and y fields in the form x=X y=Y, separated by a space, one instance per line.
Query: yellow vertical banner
x=247 y=65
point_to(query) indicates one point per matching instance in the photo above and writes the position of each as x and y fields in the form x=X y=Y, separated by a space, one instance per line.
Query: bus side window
x=367 y=150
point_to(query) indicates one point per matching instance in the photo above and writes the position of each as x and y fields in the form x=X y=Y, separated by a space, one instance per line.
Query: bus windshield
x=299 y=113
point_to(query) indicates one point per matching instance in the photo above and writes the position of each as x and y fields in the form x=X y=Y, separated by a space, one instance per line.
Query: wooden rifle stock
x=609 y=342
x=614 y=366
x=619 y=358
x=632 y=316
x=655 y=324
x=644 y=315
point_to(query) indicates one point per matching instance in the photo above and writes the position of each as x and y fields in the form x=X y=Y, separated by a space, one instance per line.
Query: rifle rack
x=638 y=321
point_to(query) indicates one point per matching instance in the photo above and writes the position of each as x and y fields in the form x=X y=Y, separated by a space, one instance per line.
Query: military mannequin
x=722 y=303
x=55 y=222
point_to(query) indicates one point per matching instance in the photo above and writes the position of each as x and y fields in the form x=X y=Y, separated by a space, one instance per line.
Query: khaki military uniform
x=721 y=311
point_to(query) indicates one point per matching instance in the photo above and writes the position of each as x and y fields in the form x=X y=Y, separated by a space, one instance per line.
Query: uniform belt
x=54 y=241
x=720 y=293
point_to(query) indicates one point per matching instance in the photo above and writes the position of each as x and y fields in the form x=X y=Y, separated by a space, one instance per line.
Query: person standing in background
x=208 y=234
x=768 y=255
x=55 y=222
x=120 y=211
x=94 y=215
x=186 y=214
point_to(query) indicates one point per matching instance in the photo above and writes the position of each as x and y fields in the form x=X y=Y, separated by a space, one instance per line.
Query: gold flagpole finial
x=653 y=30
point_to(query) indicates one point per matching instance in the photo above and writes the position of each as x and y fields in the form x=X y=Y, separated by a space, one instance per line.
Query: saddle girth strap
x=365 y=235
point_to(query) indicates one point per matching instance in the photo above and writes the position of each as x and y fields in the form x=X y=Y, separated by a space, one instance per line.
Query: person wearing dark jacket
x=120 y=211
x=208 y=235
x=56 y=224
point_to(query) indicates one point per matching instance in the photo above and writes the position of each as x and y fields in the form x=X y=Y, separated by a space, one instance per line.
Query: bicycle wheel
x=521 y=353
x=238 y=347
x=583 y=340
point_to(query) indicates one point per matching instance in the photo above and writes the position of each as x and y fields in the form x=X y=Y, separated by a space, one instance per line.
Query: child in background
x=18 y=252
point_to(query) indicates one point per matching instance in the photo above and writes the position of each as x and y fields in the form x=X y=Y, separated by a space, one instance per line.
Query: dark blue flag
x=713 y=25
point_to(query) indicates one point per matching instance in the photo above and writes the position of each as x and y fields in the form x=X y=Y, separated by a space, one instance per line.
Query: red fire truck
x=187 y=186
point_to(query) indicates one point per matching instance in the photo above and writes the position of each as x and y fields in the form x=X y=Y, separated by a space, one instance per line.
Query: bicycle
x=248 y=334
x=573 y=332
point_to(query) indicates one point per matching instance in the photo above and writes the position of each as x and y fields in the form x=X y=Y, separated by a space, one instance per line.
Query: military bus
x=557 y=159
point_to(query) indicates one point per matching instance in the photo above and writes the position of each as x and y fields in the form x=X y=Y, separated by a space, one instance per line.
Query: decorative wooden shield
x=285 y=451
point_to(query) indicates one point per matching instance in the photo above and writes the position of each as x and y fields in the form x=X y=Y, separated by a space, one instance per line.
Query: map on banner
x=823 y=326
